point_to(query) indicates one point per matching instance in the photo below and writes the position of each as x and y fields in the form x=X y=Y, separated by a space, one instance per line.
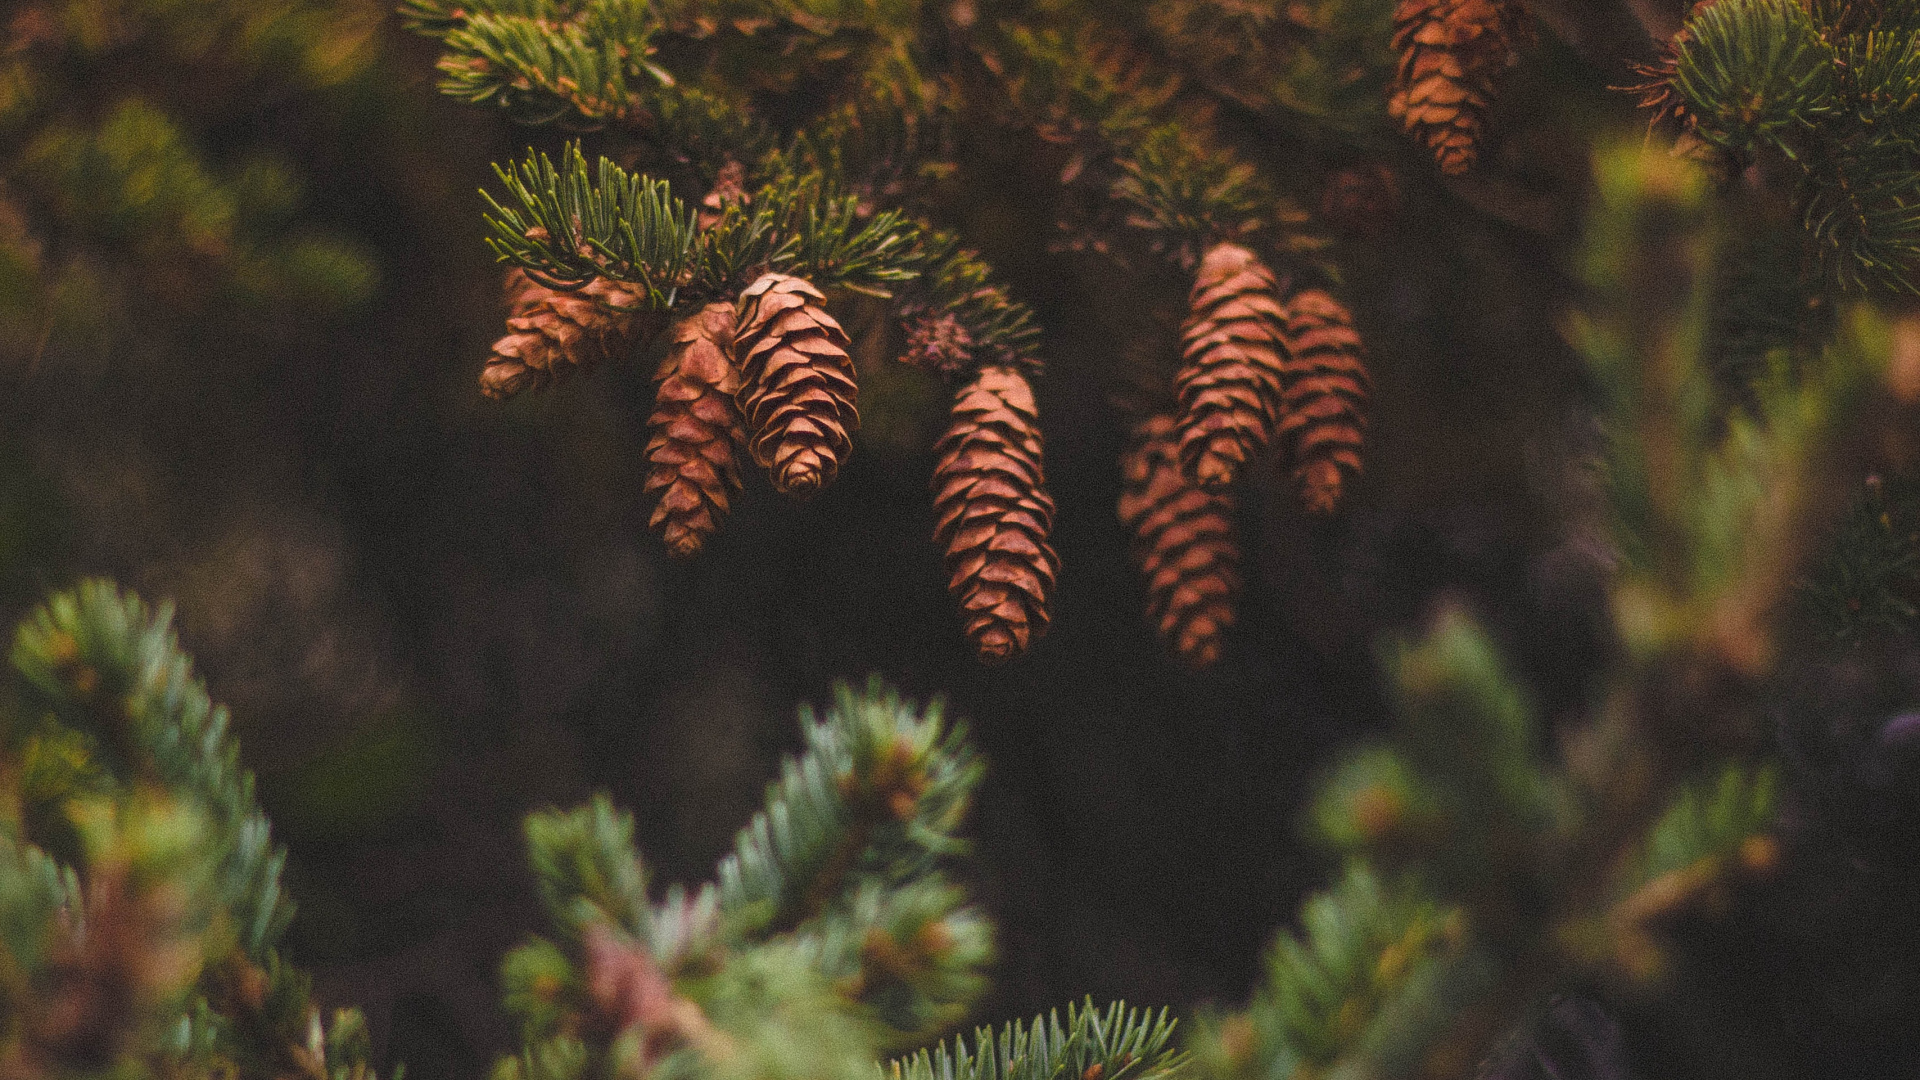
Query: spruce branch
x=1114 y=1043
x=110 y=669
x=1753 y=70
x=876 y=797
x=583 y=65
x=569 y=226
x=153 y=950
x=1378 y=973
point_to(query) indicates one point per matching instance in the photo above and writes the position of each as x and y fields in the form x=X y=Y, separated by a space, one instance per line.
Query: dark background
x=432 y=613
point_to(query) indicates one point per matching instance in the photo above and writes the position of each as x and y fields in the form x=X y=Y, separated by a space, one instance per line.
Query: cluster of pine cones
x=1259 y=365
x=769 y=374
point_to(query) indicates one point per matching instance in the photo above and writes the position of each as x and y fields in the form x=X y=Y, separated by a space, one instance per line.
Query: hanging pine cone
x=1183 y=542
x=552 y=333
x=696 y=428
x=1323 y=421
x=1233 y=365
x=1450 y=51
x=796 y=383
x=993 y=514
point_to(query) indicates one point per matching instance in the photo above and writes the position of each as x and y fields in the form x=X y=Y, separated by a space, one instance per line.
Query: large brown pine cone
x=1233 y=365
x=993 y=514
x=1183 y=542
x=551 y=333
x=796 y=383
x=1323 y=423
x=696 y=429
x=1450 y=52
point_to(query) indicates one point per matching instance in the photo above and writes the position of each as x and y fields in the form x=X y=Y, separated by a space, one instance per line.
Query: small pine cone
x=551 y=333
x=1450 y=51
x=1183 y=542
x=696 y=427
x=796 y=383
x=993 y=514
x=1323 y=423
x=1233 y=365
x=938 y=343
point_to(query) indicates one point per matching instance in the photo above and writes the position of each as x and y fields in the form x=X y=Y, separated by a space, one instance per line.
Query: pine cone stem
x=551 y=334
x=1233 y=365
x=797 y=386
x=696 y=430
x=1184 y=542
x=993 y=515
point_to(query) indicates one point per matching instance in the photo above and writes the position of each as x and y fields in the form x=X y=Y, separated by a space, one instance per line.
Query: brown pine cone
x=1323 y=422
x=552 y=333
x=1233 y=365
x=696 y=427
x=993 y=514
x=1450 y=51
x=1183 y=542
x=796 y=383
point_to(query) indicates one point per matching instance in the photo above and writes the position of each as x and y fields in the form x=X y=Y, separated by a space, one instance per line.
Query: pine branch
x=571 y=226
x=583 y=65
x=110 y=669
x=876 y=797
x=1378 y=973
x=1115 y=1043
x=155 y=947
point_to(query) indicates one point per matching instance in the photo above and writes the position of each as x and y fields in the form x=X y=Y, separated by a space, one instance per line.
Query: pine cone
x=1450 y=51
x=993 y=513
x=1183 y=542
x=696 y=427
x=1234 y=364
x=796 y=383
x=1323 y=423
x=551 y=333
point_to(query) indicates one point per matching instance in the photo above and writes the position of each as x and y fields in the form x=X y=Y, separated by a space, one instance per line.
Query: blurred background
x=243 y=304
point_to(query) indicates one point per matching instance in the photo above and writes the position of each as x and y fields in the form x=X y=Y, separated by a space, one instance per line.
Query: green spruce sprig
x=1835 y=97
x=141 y=925
x=569 y=225
x=1114 y=1043
x=582 y=66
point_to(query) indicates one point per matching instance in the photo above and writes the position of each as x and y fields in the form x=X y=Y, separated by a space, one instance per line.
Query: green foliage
x=1710 y=820
x=1115 y=1043
x=830 y=930
x=1833 y=96
x=108 y=671
x=1706 y=497
x=581 y=65
x=118 y=187
x=571 y=225
x=1378 y=972
x=1864 y=580
x=141 y=924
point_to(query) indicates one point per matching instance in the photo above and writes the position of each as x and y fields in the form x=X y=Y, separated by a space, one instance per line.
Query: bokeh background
x=243 y=303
